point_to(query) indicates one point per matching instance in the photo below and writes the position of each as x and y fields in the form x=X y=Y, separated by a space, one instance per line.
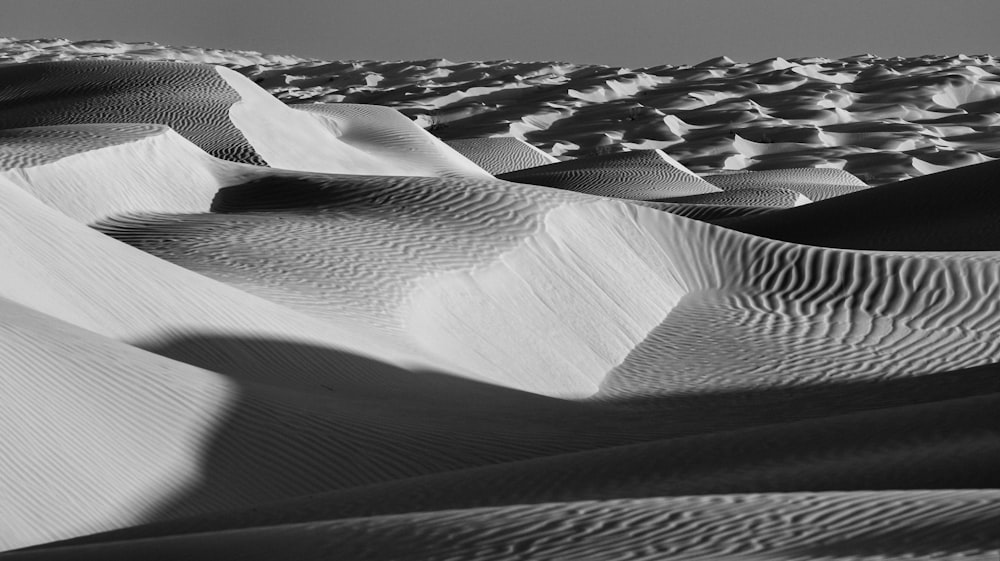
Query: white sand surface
x=96 y=171
x=401 y=147
x=640 y=175
x=815 y=183
x=326 y=141
x=501 y=154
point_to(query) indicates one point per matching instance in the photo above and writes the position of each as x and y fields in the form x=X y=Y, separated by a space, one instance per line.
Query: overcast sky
x=617 y=32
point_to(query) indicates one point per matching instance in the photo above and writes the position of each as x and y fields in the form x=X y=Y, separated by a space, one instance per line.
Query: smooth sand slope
x=501 y=154
x=815 y=183
x=358 y=361
x=640 y=175
x=389 y=136
x=95 y=171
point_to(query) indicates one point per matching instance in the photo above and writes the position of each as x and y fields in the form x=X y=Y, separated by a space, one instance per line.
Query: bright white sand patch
x=90 y=172
x=501 y=154
x=96 y=434
x=62 y=268
x=402 y=146
x=312 y=141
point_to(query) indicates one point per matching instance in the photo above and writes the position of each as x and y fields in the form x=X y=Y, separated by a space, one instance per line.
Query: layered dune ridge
x=236 y=328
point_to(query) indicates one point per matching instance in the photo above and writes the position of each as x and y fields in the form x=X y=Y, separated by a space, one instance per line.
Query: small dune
x=96 y=171
x=501 y=154
x=640 y=175
x=814 y=183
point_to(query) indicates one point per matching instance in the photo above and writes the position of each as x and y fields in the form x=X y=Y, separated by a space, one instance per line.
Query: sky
x=629 y=33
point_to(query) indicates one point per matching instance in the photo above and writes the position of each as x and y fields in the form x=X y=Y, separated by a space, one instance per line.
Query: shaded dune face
x=190 y=98
x=371 y=348
x=803 y=525
x=948 y=211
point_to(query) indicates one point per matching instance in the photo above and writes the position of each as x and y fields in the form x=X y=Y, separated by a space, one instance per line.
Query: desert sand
x=438 y=310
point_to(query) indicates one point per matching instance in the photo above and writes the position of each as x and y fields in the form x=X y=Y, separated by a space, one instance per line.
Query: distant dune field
x=437 y=310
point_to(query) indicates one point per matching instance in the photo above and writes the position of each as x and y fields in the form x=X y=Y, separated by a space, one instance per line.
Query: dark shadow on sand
x=577 y=426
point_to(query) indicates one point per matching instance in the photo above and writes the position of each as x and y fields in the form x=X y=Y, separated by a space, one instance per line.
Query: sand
x=637 y=175
x=236 y=328
x=501 y=154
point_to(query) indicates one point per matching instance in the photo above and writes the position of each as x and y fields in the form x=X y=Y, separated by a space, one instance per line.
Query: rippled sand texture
x=232 y=328
x=501 y=154
x=882 y=120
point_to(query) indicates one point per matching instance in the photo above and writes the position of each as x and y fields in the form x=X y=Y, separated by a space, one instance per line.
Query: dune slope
x=642 y=175
x=796 y=526
x=96 y=171
x=501 y=154
x=949 y=211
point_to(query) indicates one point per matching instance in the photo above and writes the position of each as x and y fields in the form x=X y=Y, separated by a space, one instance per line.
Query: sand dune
x=64 y=269
x=922 y=446
x=751 y=197
x=95 y=171
x=192 y=99
x=815 y=183
x=787 y=112
x=803 y=525
x=947 y=211
x=222 y=112
x=677 y=284
x=237 y=328
x=402 y=147
x=642 y=175
x=97 y=434
x=501 y=154
x=129 y=442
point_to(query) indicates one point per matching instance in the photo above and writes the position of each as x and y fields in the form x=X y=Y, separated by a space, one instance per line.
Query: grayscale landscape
x=259 y=306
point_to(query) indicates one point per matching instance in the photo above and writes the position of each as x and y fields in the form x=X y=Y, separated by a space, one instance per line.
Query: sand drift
x=238 y=328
